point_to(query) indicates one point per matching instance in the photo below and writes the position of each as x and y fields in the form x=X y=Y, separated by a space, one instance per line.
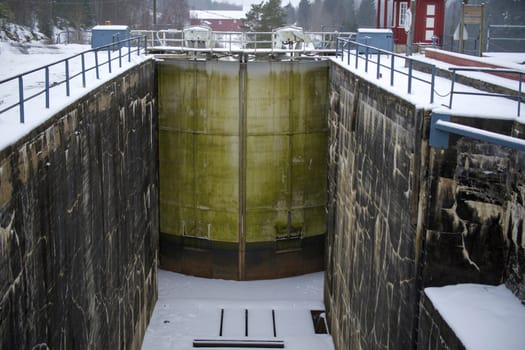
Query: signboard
x=472 y=14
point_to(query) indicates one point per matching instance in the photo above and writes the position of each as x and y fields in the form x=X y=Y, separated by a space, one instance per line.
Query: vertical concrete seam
x=242 y=168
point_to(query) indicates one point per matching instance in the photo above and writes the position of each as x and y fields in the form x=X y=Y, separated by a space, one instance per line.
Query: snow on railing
x=497 y=71
x=134 y=45
x=441 y=126
x=370 y=55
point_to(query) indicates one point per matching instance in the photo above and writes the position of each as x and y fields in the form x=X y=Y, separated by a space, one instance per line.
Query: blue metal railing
x=136 y=44
x=518 y=97
x=367 y=53
x=441 y=127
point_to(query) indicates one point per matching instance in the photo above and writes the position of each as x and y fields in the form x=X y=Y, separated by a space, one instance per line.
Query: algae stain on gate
x=198 y=150
x=287 y=135
x=200 y=138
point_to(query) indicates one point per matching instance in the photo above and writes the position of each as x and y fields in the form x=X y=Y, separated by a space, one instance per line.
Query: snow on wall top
x=374 y=30
x=110 y=27
x=483 y=317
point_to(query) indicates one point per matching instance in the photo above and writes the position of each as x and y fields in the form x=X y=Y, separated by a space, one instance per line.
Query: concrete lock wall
x=242 y=167
x=403 y=216
x=79 y=222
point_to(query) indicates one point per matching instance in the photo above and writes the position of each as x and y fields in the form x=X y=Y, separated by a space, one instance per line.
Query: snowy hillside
x=18 y=33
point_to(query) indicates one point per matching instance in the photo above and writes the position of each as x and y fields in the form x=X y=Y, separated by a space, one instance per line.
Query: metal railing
x=73 y=36
x=250 y=42
x=360 y=52
x=135 y=45
x=505 y=38
x=441 y=127
x=505 y=72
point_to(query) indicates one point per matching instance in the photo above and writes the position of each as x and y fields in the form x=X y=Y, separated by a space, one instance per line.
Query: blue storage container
x=380 y=38
x=107 y=34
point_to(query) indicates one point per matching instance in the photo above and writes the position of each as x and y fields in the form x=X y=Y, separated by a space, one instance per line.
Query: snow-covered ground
x=16 y=58
x=483 y=317
x=189 y=308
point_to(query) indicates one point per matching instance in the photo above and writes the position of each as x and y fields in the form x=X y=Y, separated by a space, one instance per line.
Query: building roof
x=199 y=14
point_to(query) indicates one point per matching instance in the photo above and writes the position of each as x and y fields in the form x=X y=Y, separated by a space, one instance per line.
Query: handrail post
x=349 y=46
x=392 y=70
x=21 y=97
x=378 y=63
x=129 y=50
x=452 y=88
x=47 y=86
x=357 y=55
x=409 y=76
x=119 y=55
x=83 y=59
x=520 y=77
x=109 y=61
x=67 y=77
x=432 y=83
x=96 y=63
x=366 y=59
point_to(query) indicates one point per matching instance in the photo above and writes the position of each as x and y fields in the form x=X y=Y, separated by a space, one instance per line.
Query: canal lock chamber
x=242 y=166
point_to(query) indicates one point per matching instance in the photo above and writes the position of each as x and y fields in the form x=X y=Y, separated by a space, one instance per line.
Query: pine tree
x=273 y=15
x=264 y=17
x=291 y=16
x=5 y=13
x=317 y=19
x=366 y=14
x=174 y=13
x=349 y=21
x=303 y=14
x=253 y=18
x=333 y=11
x=44 y=19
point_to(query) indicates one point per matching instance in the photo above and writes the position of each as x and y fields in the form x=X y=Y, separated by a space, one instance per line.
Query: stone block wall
x=403 y=216
x=79 y=222
x=433 y=332
x=476 y=211
x=373 y=188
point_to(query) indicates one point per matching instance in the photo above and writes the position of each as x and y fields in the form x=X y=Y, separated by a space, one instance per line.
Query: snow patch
x=483 y=317
x=189 y=308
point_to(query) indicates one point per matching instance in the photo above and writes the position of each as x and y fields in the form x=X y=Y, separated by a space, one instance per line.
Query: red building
x=429 y=19
x=219 y=21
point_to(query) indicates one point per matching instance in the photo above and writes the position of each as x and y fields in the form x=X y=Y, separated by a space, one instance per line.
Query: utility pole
x=410 y=40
